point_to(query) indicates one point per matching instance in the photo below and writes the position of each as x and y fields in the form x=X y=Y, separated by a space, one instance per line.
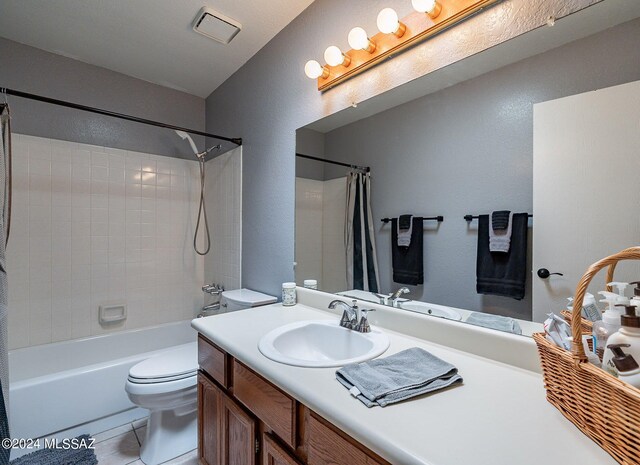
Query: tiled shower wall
x=223 y=194
x=94 y=225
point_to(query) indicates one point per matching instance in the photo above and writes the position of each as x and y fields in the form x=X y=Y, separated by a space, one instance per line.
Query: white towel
x=500 y=241
x=404 y=235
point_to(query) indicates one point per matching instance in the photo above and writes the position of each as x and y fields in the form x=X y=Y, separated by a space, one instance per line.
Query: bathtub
x=78 y=386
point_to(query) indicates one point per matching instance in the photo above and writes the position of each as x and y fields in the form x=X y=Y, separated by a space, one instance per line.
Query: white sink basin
x=321 y=344
x=426 y=309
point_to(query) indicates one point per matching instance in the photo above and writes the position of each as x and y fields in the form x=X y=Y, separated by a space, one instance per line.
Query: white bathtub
x=78 y=386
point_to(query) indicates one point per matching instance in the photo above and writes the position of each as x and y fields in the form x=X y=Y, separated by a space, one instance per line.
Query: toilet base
x=170 y=434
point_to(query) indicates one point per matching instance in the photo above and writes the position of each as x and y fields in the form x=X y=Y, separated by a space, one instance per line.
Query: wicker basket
x=603 y=407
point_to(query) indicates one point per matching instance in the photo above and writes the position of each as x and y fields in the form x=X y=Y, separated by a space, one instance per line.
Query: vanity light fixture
x=359 y=40
x=334 y=57
x=430 y=7
x=388 y=23
x=315 y=70
x=428 y=18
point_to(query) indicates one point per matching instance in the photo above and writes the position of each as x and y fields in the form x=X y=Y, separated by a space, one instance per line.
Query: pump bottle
x=629 y=334
x=628 y=369
x=610 y=322
x=636 y=295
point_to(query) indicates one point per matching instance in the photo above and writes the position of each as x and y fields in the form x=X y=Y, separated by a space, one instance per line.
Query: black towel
x=503 y=273
x=407 y=261
x=404 y=221
x=500 y=220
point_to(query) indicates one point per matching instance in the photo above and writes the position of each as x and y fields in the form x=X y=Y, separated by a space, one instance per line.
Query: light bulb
x=334 y=56
x=388 y=22
x=430 y=7
x=314 y=70
x=359 y=40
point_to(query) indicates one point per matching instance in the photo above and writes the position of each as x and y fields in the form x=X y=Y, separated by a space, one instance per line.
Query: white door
x=586 y=189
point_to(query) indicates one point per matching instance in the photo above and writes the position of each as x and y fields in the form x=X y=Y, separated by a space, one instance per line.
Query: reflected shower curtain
x=362 y=261
x=5 y=202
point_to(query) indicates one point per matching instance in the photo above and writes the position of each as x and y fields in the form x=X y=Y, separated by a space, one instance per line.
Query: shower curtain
x=362 y=261
x=5 y=212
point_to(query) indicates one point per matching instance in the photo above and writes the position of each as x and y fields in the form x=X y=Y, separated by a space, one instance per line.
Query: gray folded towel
x=500 y=219
x=407 y=374
x=500 y=240
x=501 y=323
x=405 y=228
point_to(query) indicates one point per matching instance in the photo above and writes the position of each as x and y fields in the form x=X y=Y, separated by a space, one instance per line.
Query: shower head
x=186 y=136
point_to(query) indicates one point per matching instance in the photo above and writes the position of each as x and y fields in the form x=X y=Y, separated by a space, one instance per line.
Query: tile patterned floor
x=121 y=446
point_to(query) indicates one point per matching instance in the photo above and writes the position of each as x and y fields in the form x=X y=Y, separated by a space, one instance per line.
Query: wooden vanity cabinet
x=243 y=419
x=226 y=433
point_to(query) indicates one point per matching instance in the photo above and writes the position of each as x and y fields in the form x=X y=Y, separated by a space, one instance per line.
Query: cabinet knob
x=544 y=273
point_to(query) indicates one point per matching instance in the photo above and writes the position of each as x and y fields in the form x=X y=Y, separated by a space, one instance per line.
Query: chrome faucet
x=350 y=316
x=396 y=295
x=213 y=289
x=216 y=291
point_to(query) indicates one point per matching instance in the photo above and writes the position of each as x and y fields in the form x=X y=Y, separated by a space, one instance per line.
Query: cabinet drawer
x=275 y=408
x=329 y=447
x=273 y=454
x=213 y=360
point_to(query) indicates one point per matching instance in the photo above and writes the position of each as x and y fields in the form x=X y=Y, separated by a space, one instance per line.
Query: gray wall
x=32 y=70
x=310 y=142
x=270 y=97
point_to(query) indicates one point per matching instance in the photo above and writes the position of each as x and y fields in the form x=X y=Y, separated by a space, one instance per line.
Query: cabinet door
x=238 y=434
x=209 y=422
x=273 y=454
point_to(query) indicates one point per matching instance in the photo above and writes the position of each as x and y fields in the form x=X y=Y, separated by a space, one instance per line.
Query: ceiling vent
x=215 y=25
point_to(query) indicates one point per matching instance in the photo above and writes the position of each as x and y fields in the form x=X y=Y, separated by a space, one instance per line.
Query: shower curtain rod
x=62 y=103
x=332 y=162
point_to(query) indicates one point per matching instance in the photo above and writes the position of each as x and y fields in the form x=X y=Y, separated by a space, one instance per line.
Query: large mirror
x=477 y=147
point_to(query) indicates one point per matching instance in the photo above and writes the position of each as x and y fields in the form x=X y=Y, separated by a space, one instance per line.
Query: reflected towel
x=407 y=374
x=503 y=274
x=501 y=323
x=500 y=238
x=405 y=229
x=407 y=262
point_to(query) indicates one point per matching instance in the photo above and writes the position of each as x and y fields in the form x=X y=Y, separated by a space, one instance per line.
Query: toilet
x=166 y=385
x=239 y=299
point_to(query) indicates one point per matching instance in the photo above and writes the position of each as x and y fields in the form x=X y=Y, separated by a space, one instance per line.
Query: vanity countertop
x=499 y=416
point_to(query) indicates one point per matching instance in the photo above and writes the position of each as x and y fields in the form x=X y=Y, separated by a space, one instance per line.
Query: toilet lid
x=170 y=365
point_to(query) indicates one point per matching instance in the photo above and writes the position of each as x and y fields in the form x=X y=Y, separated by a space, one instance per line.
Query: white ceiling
x=148 y=39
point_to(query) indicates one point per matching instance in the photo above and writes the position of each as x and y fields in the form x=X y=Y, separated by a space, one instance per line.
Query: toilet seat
x=172 y=365
x=161 y=379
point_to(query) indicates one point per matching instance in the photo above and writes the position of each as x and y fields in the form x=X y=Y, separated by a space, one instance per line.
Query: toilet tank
x=238 y=299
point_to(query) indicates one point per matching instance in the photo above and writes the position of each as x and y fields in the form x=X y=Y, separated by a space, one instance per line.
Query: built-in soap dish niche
x=112 y=314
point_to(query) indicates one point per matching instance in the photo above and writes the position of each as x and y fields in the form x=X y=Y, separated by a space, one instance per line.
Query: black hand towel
x=407 y=261
x=503 y=273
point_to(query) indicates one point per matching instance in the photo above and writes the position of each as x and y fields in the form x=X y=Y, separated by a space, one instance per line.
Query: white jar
x=311 y=284
x=288 y=294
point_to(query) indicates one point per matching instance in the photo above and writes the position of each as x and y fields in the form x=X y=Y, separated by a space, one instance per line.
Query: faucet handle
x=364 y=326
x=382 y=298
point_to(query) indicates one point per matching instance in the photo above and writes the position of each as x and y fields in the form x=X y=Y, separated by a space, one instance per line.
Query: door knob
x=544 y=273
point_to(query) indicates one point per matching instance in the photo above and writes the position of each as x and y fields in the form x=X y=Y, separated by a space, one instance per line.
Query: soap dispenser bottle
x=636 y=295
x=620 y=287
x=629 y=334
x=628 y=369
x=590 y=310
x=610 y=322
